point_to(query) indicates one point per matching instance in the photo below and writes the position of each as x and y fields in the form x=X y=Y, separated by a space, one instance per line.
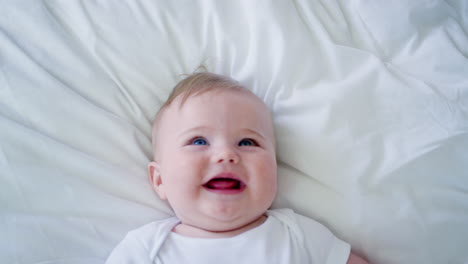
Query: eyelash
x=193 y=140
x=253 y=141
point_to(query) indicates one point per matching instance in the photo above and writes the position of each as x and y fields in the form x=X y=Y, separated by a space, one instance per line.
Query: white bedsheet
x=370 y=100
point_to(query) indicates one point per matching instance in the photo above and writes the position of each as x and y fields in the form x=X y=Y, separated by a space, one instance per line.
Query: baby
x=215 y=164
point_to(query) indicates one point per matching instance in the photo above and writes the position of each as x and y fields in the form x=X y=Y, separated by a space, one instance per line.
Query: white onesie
x=285 y=237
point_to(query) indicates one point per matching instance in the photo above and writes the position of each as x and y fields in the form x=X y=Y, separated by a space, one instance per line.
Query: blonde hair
x=198 y=83
x=195 y=84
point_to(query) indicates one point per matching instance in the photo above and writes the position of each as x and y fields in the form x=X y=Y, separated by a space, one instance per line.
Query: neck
x=193 y=231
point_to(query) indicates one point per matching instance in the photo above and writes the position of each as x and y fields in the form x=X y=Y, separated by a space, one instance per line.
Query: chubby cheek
x=266 y=171
x=183 y=172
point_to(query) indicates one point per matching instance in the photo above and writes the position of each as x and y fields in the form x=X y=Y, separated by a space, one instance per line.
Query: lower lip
x=226 y=191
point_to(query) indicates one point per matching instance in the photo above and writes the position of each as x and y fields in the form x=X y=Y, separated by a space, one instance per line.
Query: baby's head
x=214 y=154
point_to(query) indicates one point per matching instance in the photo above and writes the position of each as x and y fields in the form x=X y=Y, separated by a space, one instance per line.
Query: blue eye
x=247 y=142
x=199 y=141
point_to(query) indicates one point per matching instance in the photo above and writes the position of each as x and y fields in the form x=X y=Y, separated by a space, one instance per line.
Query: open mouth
x=225 y=185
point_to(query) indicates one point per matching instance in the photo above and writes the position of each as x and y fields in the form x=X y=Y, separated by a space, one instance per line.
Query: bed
x=370 y=104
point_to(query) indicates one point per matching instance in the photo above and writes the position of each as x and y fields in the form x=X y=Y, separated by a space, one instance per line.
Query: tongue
x=222 y=184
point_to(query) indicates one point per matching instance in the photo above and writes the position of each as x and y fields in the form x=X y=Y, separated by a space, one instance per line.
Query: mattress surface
x=369 y=98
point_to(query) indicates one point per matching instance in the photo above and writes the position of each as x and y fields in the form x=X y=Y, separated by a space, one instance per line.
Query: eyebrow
x=190 y=130
x=254 y=132
x=199 y=128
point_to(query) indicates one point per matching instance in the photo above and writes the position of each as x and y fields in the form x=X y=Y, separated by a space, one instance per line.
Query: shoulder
x=155 y=227
x=154 y=233
x=322 y=245
x=339 y=247
x=143 y=242
x=308 y=226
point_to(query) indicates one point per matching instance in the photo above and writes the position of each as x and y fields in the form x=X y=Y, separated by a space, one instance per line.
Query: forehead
x=221 y=107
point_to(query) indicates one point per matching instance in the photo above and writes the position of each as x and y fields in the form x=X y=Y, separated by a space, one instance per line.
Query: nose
x=226 y=155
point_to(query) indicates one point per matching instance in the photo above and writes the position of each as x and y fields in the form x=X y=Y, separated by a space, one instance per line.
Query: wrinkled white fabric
x=285 y=237
x=369 y=97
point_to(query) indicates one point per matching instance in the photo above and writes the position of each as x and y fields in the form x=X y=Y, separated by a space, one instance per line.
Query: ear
x=154 y=172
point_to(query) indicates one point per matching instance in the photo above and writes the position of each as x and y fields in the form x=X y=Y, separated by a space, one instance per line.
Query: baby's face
x=215 y=159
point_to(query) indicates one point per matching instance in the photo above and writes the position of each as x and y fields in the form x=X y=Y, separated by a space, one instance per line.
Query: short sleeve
x=323 y=245
x=129 y=250
x=142 y=245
